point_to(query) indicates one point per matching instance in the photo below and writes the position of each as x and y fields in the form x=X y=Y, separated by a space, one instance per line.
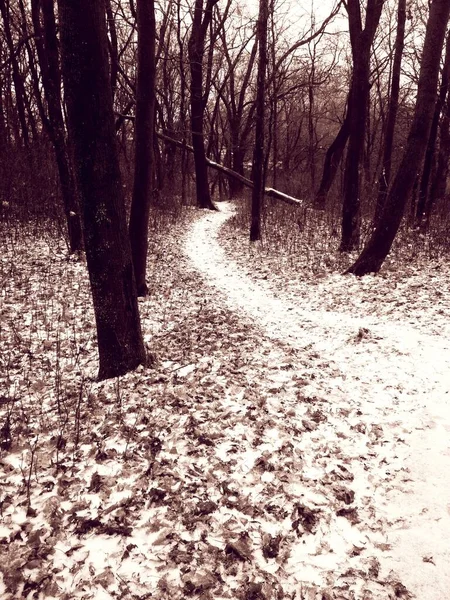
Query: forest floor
x=289 y=440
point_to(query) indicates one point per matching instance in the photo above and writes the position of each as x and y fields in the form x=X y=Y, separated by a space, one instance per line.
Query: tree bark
x=426 y=190
x=113 y=47
x=144 y=128
x=258 y=170
x=392 y=110
x=380 y=242
x=196 y=50
x=361 y=42
x=88 y=92
x=43 y=17
x=439 y=183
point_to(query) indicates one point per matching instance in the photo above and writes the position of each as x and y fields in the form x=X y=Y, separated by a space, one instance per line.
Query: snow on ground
x=397 y=374
x=281 y=444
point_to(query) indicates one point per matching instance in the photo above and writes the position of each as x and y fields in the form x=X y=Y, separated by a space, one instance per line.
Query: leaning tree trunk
x=196 y=51
x=88 y=92
x=428 y=167
x=333 y=158
x=258 y=170
x=392 y=110
x=361 y=42
x=424 y=201
x=144 y=127
x=439 y=183
x=379 y=244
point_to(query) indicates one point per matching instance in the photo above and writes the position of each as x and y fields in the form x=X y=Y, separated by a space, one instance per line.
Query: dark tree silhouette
x=380 y=242
x=196 y=50
x=88 y=93
x=425 y=201
x=258 y=170
x=234 y=95
x=44 y=24
x=144 y=128
x=439 y=183
x=361 y=41
x=385 y=177
x=333 y=158
x=19 y=87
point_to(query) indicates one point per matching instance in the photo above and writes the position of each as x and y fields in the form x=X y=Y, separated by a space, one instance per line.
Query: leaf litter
x=268 y=452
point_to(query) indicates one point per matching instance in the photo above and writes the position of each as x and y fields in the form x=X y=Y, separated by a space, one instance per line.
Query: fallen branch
x=247 y=182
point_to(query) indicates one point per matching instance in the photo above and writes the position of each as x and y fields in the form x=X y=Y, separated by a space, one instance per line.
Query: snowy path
x=397 y=376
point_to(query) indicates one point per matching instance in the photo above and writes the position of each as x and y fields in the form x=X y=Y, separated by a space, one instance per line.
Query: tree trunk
x=113 y=47
x=184 y=159
x=428 y=166
x=258 y=170
x=425 y=200
x=19 y=88
x=237 y=158
x=87 y=87
x=392 y=110
x=333 y=158
x=258 y=167
x=196 y=51
x=439 y=183
x=48 y=56
x=144 y=128
x=380 y=242
x=361 y=42
x=235 y=103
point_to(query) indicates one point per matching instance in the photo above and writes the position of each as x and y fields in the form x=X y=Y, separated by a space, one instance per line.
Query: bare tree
x=234 y=93
x=333 y=158
x=196 y=50
x=19 y=87
x=46 y=41
x=392 y=109
x=258 y=171
x=144 y=141
x=361 y=41
x=88 y=92
x=424 y=201
x=380 y=242
x=439 y=182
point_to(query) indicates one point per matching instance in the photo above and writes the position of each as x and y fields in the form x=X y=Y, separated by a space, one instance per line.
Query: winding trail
x=397 y=376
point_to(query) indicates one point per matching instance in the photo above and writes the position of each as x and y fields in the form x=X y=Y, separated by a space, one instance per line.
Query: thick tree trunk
x=91 y=122
x=258 y=170
x=380 y=242
x=144 y=139
x=392 y=110
x=361 y=42
x=196 y=49
x=48 y=56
